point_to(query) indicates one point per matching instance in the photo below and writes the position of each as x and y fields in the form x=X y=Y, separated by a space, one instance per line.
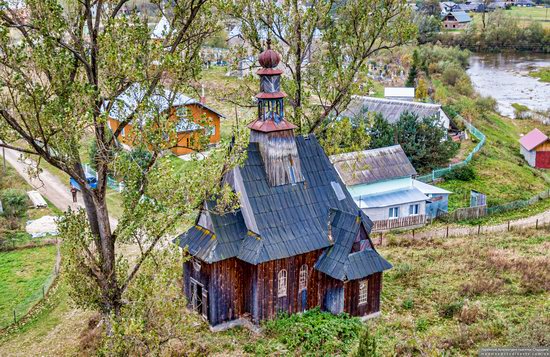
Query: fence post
x=43 y=292
x=380 y=238
x=413 y=233
x=478 y=229
x=508 y=226
x=447 y=236
x=537 y=224
x=14 y=317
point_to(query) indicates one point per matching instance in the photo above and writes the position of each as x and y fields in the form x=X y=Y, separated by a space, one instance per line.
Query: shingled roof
x=391 y=109
x=275 y=222
x=338 y=261
x=368 y=166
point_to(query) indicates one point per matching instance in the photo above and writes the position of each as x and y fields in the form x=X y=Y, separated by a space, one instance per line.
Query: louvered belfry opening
x=273 y=133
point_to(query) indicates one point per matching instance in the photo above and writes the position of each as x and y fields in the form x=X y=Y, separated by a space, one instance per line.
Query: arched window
x=303 y=277
x=282 y=280
x=363 y=292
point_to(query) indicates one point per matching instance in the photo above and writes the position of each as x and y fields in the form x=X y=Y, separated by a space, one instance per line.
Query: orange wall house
x=194 y=117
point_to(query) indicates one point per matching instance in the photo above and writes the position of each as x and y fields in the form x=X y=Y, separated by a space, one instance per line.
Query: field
x=525 y=15
x=23 y=273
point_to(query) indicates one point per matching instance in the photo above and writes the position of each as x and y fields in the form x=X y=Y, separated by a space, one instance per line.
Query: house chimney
x=203 y=98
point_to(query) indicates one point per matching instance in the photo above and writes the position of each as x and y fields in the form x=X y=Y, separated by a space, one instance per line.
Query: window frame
x=282 y=283
x=393 y=209
x=363 y=292
x=303 y=277
x=414 y=209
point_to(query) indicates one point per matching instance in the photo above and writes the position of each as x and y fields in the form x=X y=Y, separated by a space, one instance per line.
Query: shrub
x=486 y=104
x=521 y=111
x=464 y=86
x=14 y=203
x=452 y=74
x=463 y=173
x=315 y=332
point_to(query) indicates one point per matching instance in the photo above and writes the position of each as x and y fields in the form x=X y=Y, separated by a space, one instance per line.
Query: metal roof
x=162 y=29
x=391 y=109
x=460 y=16
x=392 y=198
x=368 y=166
x=533 y=139
x=288 y=219
x=429 y=189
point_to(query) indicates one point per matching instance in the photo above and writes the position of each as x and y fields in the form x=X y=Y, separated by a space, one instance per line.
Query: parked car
x=92 y=182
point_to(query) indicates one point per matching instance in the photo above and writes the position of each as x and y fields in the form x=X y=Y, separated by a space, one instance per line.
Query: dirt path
x=49 y=185
x=536 y=221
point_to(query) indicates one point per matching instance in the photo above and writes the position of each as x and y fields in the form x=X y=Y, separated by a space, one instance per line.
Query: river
x=505 y=77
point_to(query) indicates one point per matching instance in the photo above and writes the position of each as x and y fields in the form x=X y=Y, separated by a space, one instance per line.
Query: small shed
x=535 y=148
x=399 y=93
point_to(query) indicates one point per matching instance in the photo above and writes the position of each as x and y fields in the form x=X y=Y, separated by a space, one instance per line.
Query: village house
x=391 y=109
x=456 y=20
x=298 y=240
x=382 y=183
x=535 y=148
x=194 y=118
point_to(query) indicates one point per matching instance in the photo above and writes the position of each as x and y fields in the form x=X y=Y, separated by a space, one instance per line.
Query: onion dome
x=269 y=58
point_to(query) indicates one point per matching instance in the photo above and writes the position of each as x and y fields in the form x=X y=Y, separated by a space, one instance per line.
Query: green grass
x=501 y=172
x=23 y=273
x=543 y=74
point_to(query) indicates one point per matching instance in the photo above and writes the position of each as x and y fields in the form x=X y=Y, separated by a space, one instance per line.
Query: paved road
x=49 y=185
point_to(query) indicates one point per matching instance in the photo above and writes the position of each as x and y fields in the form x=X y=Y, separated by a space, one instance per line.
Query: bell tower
x=274 y=135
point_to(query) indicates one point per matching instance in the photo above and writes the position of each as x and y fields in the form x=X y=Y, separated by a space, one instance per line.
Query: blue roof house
x=381 y=181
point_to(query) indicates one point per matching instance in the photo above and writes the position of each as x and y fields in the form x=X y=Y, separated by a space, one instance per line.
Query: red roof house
x=535 y=148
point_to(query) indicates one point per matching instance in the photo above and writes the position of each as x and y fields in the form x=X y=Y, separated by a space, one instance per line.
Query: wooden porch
x=402 y=222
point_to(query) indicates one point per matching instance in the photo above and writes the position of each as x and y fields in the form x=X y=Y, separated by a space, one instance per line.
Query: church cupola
x=274 y=135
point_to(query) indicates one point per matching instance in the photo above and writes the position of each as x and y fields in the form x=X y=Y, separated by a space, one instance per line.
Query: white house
x=381 y=181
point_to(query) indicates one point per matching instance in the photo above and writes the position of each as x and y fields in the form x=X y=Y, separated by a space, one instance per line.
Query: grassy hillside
x=501 y=172
x=23 y=273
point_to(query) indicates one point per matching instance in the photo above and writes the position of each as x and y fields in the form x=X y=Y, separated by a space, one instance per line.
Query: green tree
x=61 y=70
x=382 y=133
x=424 y=141
x=413 y=71
x=324 y=44
x=428 y=27
x=345 y=135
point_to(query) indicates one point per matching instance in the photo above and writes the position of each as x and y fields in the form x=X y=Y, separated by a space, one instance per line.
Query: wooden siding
x=236 y=288
x=545 y=146
x=351 y=296
x=543 y=160
x=184 y=139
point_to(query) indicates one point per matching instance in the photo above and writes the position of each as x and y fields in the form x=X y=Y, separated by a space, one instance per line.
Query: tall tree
x=62 y=67
x=324 y=44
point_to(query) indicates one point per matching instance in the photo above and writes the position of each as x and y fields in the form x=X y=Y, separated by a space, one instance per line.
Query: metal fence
x=111 y=182
x=438 y=173
x=519 y=203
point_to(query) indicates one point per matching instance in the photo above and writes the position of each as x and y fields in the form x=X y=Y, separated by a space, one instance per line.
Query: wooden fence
x=410 y=221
